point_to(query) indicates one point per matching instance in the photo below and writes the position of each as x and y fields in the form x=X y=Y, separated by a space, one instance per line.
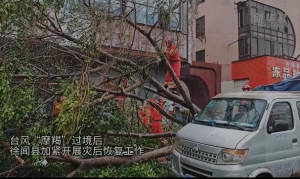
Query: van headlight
x=229 y=156
x=177 y=145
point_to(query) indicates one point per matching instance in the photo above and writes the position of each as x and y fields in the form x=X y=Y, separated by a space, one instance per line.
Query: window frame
x=254 y=46
x=277 y=34
x=293 y=119
x=122 y=11
x=200 y=27
x=260 y=120
x=268 y=43
x=118 y=8
x=156 y=12
x=298 y=110
x=246 y=45
x=241 y=20
x=199 y=52
x=267 y=16
x=174 y=14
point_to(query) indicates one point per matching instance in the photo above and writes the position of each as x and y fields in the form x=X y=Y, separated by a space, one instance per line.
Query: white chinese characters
x=276 y=72
x=81 y=146
x=285 y=73
x=269 y=20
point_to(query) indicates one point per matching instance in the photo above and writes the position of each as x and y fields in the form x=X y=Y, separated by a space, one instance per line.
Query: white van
x=252 y=134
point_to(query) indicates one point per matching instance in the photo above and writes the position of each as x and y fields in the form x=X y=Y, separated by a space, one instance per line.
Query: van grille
x=194 y=171
x=199 y=155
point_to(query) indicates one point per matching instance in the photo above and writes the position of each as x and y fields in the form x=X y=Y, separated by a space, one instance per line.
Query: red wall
x=210 y=76
x=259 y=70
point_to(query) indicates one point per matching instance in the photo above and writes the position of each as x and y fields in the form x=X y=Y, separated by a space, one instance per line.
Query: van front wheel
x=264 y=175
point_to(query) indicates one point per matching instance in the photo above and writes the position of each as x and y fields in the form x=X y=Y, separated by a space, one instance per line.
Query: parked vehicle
x=251 y=134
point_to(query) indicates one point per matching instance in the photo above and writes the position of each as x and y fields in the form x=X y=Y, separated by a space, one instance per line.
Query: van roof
x=266 y=95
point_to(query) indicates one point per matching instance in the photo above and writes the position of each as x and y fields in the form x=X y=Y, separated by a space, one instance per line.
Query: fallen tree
x=49 y=49
x=111 y=160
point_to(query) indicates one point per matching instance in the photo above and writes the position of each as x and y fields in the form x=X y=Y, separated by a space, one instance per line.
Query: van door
x=282 y=143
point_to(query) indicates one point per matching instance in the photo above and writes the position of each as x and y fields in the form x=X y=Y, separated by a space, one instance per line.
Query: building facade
x=228 y=31
x=117 y=37
x=145 y=14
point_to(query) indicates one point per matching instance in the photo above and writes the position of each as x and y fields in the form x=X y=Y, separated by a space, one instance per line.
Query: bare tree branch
x=109 y=97
x=116 y=161
x=95 y=70
x=163 y=112
x=164 y=59
x=128 y=62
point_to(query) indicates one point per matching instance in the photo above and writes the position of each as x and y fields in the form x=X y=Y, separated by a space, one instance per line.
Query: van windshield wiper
x=234 y=126
x=205 y=123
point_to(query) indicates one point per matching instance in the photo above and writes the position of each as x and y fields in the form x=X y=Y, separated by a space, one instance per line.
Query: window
x=200 y=56
x=280 y=49
x=298 y=107
x=243 y=46
x=152 y=16
x=245 y=113
x=267 y=16
x=281 y=111
x=285 y=49
x=274 y=48
x=175 y=19
x=261 y=47
x=101 y=4
x=253 y=14
x=266 y=41
x=112 y=7
x=254 y=46
x=286 y=30
x=200 y=27
x=115 y=7
x=291 y=50
x=141 y=11
x=268 y=47
x=241 y=18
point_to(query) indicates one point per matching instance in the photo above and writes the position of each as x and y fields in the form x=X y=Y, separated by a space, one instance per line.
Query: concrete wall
x=233 y=85
x=221 y=29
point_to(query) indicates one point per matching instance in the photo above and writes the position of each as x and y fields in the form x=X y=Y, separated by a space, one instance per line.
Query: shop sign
x=290 y=70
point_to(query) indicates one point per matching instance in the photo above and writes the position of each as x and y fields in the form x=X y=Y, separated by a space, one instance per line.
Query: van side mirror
x=279 y=126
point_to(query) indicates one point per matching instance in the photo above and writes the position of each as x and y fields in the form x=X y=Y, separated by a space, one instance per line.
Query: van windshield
x=233 y=112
